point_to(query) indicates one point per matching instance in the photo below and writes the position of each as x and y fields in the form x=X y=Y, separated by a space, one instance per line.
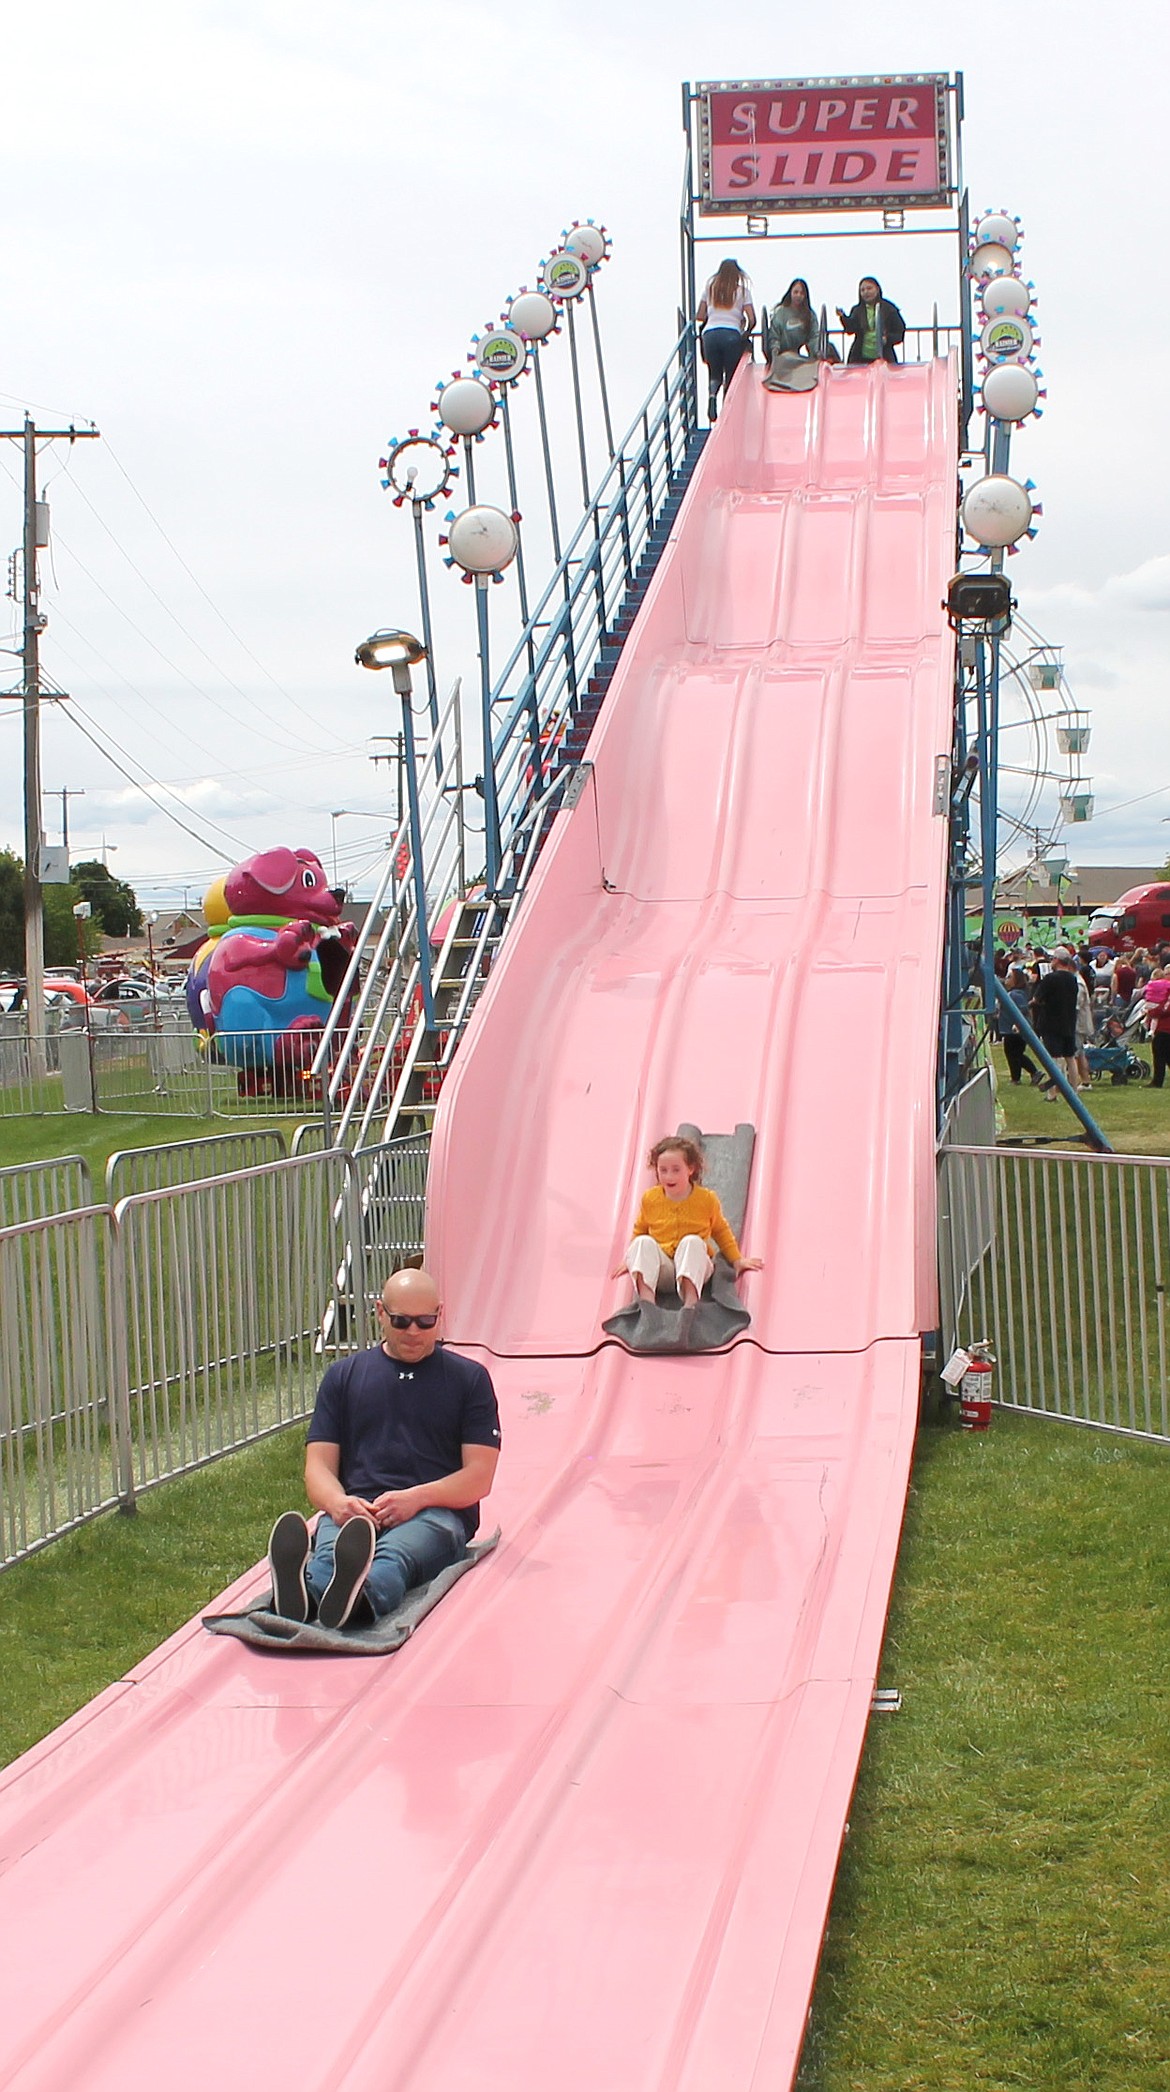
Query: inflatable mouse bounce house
x=261 y=987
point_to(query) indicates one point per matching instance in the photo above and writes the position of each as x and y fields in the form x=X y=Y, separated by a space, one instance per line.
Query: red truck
x=1140 y=920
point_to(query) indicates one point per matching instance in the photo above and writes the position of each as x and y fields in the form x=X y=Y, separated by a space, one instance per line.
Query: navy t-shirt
x=399 y=1424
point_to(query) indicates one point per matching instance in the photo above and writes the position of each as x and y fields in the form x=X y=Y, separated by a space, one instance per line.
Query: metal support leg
x=491 y=811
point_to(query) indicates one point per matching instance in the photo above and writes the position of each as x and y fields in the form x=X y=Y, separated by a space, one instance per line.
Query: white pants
x=646 y=1261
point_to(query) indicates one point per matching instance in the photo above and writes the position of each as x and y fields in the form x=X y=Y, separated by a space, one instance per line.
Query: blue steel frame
x=974 y=758
x=539 y=695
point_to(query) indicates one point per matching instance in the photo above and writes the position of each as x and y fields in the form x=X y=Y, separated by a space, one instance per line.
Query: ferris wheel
x=1043 y=739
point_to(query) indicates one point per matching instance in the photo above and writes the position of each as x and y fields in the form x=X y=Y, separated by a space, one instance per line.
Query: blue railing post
x=647 y=473
x=422 y=927
x=491 y=811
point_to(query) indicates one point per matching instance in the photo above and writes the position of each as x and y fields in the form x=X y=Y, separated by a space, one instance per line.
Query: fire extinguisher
x=975 y=1387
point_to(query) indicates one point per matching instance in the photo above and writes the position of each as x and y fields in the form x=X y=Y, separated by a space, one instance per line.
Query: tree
x=61 y=929
x=114 y=903
x=60 y=921
x=11 y=912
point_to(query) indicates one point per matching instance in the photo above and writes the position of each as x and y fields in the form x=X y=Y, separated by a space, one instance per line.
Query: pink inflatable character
x=276 y=968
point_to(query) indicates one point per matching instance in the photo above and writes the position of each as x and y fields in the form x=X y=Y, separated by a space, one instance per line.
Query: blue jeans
x=721 y=350
x=404 y=1555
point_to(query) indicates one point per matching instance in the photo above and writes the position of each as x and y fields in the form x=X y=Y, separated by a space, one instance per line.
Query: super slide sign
x=857 y=144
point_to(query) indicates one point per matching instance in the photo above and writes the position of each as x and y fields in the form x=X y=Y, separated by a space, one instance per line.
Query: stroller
x=1111 y=1054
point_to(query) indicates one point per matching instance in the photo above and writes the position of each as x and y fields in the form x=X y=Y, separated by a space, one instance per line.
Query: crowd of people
x=1075 y=998
x=793 y=340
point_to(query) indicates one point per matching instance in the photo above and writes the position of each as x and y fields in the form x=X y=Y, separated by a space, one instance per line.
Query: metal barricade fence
x=61 y=1445
x=183 y=1161
x=30 y=1077
x=1063 y=1261
x=139 y=1343
x=33 y=1190
x=222 y=1284
x=166 y=1070
x=174 y=1071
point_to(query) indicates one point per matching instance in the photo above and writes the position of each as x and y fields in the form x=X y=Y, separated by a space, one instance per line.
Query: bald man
x=402 y=1449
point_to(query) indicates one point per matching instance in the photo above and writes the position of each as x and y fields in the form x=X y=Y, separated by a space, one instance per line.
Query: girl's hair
x=871 y=279
x=787 y=298
x=691 y=1152
x=725 y=283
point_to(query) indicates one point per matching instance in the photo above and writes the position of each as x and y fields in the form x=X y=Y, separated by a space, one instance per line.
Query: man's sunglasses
x=407 y=1321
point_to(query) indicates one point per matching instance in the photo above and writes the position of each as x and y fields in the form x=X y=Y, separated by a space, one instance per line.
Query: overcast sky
x=246 y=241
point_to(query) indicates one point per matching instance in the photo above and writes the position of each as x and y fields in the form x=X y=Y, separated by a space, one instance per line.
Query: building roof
x=1090 y=886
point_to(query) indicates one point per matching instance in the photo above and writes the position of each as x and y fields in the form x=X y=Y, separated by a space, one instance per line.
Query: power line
x=206 y=695
x=75 y=715
x=287 y=695
x=248 y=699
x=189 y=740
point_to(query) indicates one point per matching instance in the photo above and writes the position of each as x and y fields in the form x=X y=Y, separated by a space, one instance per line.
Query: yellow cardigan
x=700 y=1213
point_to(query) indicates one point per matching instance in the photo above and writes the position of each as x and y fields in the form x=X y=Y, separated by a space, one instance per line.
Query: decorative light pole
x=483 y=541
x=564 y=278
x=400 y=652
x=418 y=470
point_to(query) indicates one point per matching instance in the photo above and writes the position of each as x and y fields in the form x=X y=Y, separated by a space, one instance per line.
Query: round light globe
x=483 y=540
x=533 y=315
x=1010 y=391
x=419 y=468
x=999 y=227
x=1007 y=338
x=589 y=242
x=1004 y=294
x=990 y=259
x=466 y=406
x=502 y=354
x=564 y=275
x=997 y=511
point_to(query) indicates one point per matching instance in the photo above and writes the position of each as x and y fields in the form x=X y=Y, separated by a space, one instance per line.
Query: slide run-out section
x=582 y=1831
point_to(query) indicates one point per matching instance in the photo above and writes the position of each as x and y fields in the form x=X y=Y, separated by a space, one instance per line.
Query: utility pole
x=34 y=623
x=398 y=758
x=64 y=794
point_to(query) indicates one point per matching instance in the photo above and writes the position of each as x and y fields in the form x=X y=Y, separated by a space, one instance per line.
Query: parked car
x=66 y=1001
x=134 y=1002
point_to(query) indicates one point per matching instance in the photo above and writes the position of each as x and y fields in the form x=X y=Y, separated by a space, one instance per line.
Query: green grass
x=1134 y=1117
x=99 y=1135
x=95 y=1603
x=1002 y=1912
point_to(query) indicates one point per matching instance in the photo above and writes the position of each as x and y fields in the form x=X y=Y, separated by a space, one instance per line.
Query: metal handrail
x=556 y=653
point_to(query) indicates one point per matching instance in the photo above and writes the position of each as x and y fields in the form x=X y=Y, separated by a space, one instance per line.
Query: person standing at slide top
x=793 y=340
x=402 y=1449
x=875 y=324
x=726 y=317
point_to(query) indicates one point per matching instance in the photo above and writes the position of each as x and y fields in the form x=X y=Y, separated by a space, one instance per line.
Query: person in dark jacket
x=1014 y=1045
x=1054 y=1014
x=875 y=324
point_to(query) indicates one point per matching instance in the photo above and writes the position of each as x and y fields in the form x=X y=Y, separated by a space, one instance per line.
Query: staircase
x=385 y=1074
x=573 y=745
x=464 y=962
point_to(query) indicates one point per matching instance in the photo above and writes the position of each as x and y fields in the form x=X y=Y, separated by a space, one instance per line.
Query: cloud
x=129 y=807
x=1147 y=588
x=1095 y=675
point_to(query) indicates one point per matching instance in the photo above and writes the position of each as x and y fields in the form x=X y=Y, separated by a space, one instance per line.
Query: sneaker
x=712 y=406
x=288 y=1551
x=352 y=1554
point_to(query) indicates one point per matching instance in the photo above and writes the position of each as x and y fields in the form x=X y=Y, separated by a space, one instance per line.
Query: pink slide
x=582 y=1831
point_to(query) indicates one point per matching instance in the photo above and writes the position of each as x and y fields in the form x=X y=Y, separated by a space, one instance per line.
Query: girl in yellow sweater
x=676 y=1226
